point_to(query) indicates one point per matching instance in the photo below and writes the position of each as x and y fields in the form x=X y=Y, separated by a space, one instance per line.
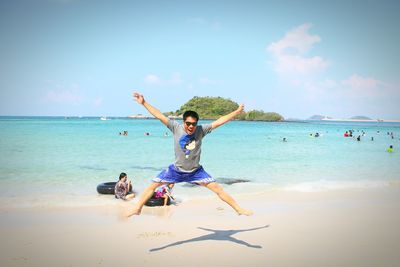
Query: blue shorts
x=172 y=175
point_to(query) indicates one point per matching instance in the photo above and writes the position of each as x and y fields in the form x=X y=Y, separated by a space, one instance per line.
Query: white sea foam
x=318 y=186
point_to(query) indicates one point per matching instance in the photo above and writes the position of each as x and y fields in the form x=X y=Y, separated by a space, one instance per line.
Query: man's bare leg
x=217 y=189
x=146 y=195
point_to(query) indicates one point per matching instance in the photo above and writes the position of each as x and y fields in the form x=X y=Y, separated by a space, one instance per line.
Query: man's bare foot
x=132 y=212
x=245 y=212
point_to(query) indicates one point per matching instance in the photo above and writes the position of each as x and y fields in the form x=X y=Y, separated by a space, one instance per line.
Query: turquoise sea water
x=48 y=160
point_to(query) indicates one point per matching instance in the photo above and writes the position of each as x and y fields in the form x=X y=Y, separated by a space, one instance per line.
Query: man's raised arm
x=224 y=119
x=155 y=112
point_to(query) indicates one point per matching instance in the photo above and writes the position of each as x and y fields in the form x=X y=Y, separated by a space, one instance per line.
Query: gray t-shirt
x=187 y=147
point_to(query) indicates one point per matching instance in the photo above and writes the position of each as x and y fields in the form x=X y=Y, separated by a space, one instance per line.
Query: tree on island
x=259 y=115
x=215 y=107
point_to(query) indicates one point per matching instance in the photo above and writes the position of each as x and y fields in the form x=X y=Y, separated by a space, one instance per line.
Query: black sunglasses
x=191 y=123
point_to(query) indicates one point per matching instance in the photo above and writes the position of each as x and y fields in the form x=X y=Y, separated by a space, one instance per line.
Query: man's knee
x=154 y=185
x=215 y=187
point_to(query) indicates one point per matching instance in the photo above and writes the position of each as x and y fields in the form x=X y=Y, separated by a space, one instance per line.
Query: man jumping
x=187 y=143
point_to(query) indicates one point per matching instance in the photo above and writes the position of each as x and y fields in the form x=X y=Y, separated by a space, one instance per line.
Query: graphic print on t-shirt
x=187 y=143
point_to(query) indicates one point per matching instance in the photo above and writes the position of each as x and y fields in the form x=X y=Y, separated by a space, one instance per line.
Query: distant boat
x=138 y=116
x=103 y=118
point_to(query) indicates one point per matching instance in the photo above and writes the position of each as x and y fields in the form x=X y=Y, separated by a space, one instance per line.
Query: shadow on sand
x=219 y=235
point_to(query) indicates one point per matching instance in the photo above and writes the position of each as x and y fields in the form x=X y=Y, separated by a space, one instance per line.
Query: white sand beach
x=333 y=228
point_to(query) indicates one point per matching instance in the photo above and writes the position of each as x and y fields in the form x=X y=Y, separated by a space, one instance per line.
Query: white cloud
x=353 y=87
x=359 y=86
x=303 y=83
x=153 y=79
x=294 y=64
x=290 y=53
x=329 y=83
x=72 y=95
x=358 y=82
x=297 y=39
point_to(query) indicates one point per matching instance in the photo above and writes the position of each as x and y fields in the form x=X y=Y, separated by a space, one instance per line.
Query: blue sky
x=297 y=58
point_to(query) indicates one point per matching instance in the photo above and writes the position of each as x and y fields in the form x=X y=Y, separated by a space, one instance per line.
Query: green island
x=215 y=107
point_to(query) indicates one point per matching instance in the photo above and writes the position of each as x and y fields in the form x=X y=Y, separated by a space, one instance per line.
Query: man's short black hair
x=190 y=113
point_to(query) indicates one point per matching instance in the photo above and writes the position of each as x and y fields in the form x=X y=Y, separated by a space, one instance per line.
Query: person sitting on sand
x=165 y=193
x=187 y=143
x=123 y=187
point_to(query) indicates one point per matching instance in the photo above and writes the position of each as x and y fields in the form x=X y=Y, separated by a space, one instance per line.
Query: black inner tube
x=108 y=188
